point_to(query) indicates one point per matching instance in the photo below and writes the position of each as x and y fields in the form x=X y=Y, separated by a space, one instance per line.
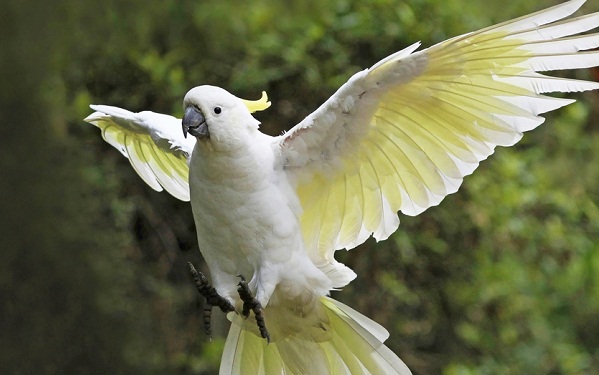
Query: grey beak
x=194 y=123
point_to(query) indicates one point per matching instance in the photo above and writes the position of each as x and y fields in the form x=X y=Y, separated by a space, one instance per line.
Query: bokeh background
x=501 y=278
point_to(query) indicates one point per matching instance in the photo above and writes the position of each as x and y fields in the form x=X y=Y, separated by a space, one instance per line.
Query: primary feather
x=399 y=136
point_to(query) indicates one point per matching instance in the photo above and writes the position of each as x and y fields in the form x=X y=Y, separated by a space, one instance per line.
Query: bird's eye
x=218 y=110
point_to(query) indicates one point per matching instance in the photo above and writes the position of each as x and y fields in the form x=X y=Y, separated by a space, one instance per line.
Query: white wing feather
x=402 y=135
x=153 y=143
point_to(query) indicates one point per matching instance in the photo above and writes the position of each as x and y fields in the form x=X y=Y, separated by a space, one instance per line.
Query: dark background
x=501 y=278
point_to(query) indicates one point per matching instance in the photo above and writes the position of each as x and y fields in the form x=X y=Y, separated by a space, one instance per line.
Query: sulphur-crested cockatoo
x=399 y=136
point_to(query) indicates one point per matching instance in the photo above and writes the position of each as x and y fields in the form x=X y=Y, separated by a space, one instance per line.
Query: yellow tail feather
x=348 y=343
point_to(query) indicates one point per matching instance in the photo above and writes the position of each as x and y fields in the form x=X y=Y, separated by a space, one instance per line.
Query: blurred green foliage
x=501 y=278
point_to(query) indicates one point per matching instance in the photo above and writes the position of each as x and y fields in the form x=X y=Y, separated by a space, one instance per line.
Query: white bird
x=399 y=136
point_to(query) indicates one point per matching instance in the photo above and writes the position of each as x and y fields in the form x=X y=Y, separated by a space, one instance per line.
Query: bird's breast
x=243 y=211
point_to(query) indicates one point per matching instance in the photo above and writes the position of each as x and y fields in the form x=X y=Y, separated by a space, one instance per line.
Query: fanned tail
x=350 y=343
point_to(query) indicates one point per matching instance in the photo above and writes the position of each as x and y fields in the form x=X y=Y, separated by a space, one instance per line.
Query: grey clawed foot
x=212 y=298
x=250 y=303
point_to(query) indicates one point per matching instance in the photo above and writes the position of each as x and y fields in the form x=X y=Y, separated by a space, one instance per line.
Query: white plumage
x=399 y=136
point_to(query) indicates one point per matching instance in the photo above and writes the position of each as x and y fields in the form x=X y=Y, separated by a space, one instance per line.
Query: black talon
x=212 y=298
x=251 y=303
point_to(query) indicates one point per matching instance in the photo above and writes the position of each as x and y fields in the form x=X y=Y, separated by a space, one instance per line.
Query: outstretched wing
x=402 y=135
x=153 y=143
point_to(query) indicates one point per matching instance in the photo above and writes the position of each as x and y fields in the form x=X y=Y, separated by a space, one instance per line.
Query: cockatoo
x=399 y=136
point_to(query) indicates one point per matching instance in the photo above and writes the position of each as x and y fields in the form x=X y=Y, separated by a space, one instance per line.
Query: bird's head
x=214 y=114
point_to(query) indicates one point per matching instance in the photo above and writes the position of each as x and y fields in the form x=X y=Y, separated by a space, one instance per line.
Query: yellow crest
x=257 y=105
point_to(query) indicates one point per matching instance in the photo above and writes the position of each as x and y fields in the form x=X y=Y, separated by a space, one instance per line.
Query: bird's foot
x=212 y=298
x=251 y=303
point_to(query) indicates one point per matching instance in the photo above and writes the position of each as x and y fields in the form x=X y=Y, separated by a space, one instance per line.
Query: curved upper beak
x=194 y=123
